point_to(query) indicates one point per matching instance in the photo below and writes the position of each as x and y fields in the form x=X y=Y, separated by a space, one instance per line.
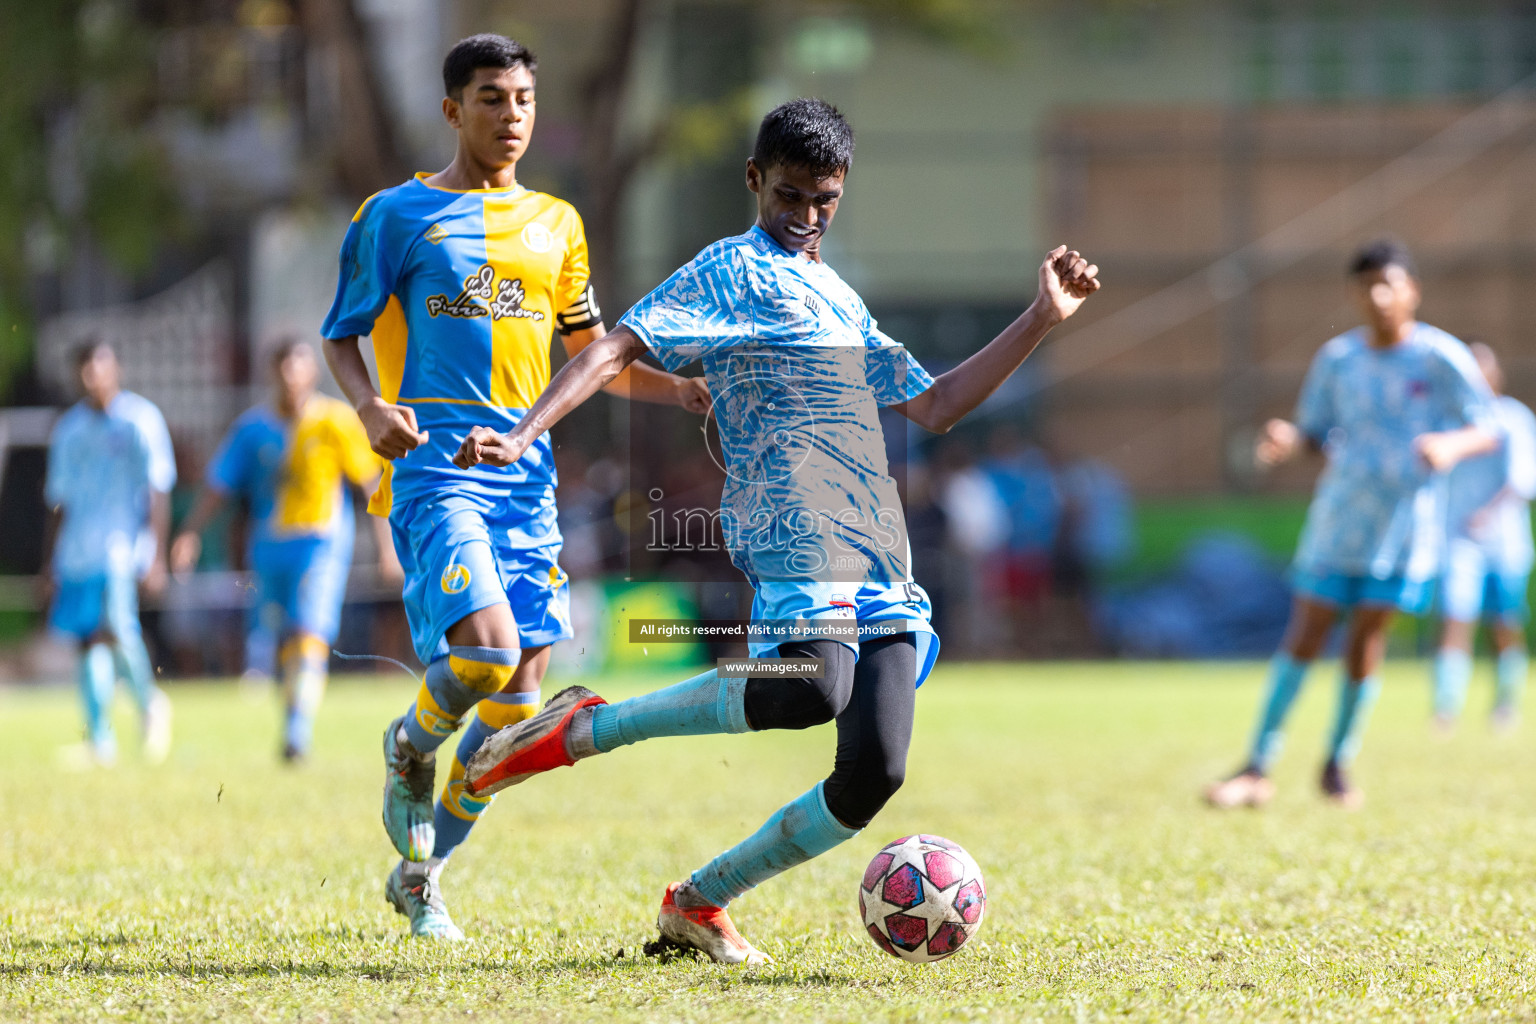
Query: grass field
x=221 y=886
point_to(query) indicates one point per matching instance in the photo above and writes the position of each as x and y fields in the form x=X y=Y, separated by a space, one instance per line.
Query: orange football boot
x=707 y=929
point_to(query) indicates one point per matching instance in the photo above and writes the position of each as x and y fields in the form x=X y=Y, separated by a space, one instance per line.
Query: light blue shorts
x=300 y=585
x=464 y=552
x=101 y=603
x=879 y=609
x=1346 y=591
x=1472 y=588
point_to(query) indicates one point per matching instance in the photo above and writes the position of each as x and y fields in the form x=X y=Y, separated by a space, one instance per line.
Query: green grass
x=222 y=886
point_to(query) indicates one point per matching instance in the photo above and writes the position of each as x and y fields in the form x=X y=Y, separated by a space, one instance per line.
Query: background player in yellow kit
x=460 y=277
x=292 y=461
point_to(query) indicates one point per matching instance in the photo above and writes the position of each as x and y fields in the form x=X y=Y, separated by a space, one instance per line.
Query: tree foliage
x=78 y=165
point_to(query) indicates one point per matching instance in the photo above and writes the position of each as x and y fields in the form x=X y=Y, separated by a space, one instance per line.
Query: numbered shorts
x=102 y=603
x=1344 y=590
x=1473 y=587
x=880 y=610
x=464 y=552
x=300 y=586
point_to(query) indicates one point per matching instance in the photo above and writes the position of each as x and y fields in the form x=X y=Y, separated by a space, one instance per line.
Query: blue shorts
x=300 y=586
x=1472 y=587
x=464 y=552
x=103 y=603
x=1346 y=591
x=887 y=608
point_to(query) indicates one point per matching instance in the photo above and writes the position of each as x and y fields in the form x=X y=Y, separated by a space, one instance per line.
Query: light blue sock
x=694 y=707
x=798 y=831
x=131 y=659
x=96 y=686
x=1453 y=670
x=1286 y=675
x=1355 y=703
x=1512 y=666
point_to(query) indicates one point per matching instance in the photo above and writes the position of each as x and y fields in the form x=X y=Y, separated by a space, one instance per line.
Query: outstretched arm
x=188 y=544
x=1443 y=449
x=578 y=380
x=1066 y=279
x=642 y=383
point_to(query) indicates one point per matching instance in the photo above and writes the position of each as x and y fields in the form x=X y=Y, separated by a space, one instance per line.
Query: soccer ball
x=921 y=898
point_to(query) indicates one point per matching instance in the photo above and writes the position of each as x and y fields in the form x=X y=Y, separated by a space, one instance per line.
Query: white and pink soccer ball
x=921 y=898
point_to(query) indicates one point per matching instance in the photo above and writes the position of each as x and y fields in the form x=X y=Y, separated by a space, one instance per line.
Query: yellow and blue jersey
x=460 y=292
x=294 y=474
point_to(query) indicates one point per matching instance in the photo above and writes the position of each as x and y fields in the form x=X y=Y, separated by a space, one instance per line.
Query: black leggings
x=872 y=702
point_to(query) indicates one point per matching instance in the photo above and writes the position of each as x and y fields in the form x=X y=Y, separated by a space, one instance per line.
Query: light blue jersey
x=103 y=466
x=1378 y=509
x=1490 y=496
x=798 y=371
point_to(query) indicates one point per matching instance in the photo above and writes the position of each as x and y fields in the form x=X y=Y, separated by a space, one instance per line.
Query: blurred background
x=178 y=175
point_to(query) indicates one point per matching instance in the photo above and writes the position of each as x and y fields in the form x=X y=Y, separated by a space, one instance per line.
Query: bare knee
x=1307 y=631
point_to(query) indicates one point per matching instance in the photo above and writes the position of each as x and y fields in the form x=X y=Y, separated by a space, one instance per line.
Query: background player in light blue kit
x=1393 y=404
x=1488 y=559
x=110 y=472
x=798 y=371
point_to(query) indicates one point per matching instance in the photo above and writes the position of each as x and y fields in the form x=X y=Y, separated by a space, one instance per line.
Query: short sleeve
x=575 y=302
x=1521 y=442
x=358 y=461
x=1314 y=408
x=56 y=488
x=366 y=279
x=893 y=374
x=160 y=468
x=1469 y=401
x=703 y=307
x=229 y=471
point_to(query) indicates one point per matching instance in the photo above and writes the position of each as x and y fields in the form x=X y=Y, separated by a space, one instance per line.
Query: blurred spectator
x=976 y=529
x=1096 y=526
x=1021 y=578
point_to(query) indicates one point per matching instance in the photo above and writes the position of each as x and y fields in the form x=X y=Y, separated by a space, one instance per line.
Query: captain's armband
x=581 y=314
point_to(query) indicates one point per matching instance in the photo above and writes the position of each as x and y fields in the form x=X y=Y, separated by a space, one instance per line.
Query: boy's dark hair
x=86 y=351
x=1380 y=254
x=284 y=347
x=486 y=50
x=806 y=133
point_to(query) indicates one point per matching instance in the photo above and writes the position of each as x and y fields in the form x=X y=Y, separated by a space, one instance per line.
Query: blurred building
x=1219 y=161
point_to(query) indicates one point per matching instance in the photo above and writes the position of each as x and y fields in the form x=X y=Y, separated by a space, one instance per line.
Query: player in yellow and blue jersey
x=294 y=462
x=461 y=277
x=110 y=472
x=799 y=371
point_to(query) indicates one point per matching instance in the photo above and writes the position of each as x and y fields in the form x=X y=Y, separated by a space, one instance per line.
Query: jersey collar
x=420 y=177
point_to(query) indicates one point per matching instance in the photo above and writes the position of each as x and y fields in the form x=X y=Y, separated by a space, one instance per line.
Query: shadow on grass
x=602 y=966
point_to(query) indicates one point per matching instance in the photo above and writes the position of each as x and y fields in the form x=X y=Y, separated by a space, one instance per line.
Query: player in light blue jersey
x=110 y=472
x=1488 y=560
x=1394 y=405
x=798 y=370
